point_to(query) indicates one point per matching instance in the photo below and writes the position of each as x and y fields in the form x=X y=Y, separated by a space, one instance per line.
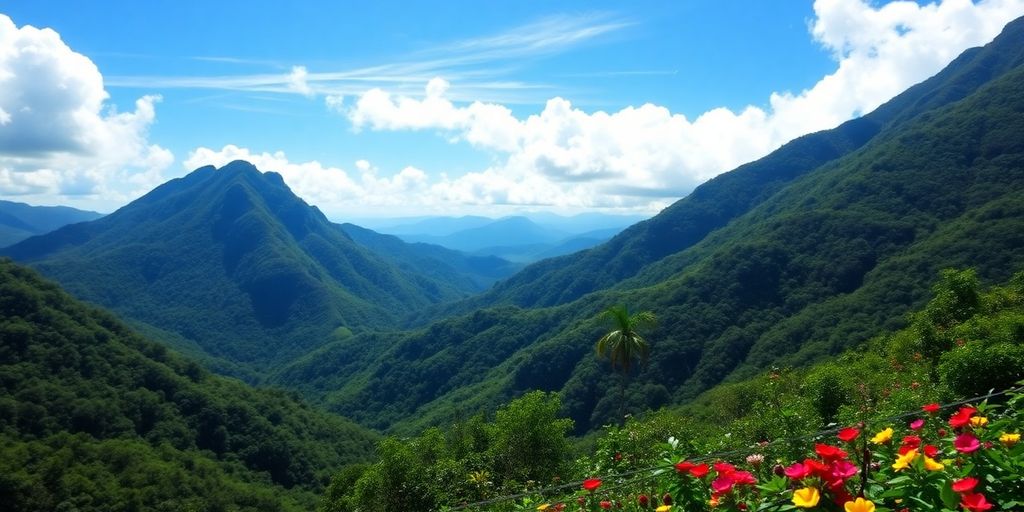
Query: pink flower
x=843 y=469
x=916 y=424
x=797 y=471
x=722 y=484
x=966 y=443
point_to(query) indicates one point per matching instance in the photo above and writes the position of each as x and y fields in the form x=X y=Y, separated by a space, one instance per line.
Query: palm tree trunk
x=622 y=398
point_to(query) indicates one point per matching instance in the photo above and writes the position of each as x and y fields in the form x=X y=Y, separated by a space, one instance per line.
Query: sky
x=382 y=109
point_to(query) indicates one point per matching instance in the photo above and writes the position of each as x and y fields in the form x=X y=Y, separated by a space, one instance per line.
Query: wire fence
x=655 y=471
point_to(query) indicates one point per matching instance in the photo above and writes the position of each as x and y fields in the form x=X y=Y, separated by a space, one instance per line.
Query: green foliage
x=976 y=368
x=94 y=417
x=475 y=460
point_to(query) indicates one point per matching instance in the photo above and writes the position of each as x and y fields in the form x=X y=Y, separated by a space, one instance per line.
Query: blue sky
x=399 y=108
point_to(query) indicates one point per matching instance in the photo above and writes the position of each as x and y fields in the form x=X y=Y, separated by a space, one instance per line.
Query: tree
x=624 y=343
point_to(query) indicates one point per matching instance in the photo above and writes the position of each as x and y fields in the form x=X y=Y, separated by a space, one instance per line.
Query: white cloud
x=297 y=81
x=59 y=139
x=566 y=156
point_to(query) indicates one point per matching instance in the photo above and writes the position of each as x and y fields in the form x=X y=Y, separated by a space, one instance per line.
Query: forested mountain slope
x=95 y=418
x=19 y=221
x=234 y=266
x=824 y=263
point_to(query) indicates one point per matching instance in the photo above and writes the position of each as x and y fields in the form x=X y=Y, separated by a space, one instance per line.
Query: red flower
x=931 y=450
x=965 y=484
x=847 y=435
x=684 y=466
x=643 y=500
x=724 y=468
x=975 y=502
x=666 y=499
x=905 y=448
x=966 y=443
x=605 y=504
x=743 y=478
x=797 y=471
x=591 y=484
x=916 y=424
x=912 y=441
x=962 y=417
x=828 y=452
x=699 y=471
x=816 y=468
x=930 y=408
x=843 y=469
x=722 y=484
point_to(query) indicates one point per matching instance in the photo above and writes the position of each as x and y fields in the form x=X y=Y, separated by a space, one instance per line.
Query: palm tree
x=624 y=343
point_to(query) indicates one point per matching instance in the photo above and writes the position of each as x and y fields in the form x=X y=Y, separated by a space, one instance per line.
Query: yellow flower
x=860 y=505
x=903 y=461
x=1009 y=440
x=979 y=421
x=806 y=497
x=663 y=508
x=932 y=465
x=882 y=437
x=544 y=506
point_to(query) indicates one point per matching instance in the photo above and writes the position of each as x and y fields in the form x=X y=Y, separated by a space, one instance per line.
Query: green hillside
x=95 y=418
x=823 y=263
x=234 y=267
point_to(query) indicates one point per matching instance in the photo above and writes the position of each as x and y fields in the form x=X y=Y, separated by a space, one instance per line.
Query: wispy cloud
x=478 y=65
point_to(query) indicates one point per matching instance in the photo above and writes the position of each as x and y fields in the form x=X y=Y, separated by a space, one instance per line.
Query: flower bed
x=971 y=459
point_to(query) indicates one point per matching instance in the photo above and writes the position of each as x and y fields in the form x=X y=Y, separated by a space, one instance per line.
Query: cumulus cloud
x=59 y=139
x=566 y=156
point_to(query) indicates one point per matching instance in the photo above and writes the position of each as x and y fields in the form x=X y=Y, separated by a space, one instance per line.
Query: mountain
x=467 y=272
x=733 y=194
x=19 y=221
x=235 y=267
x=783 y=261
x=93 y=417
x=426 y=226
x=504 y=232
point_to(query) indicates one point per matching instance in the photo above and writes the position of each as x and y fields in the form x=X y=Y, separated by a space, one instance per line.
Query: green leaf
x=949 y=498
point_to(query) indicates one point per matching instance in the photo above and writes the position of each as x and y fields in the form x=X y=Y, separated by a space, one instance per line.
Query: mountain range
x=786 y=260
x=19 y=221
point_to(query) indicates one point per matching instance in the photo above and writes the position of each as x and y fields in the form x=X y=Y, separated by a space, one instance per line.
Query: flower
x=962 y=417
x=605 y=504
x=828 y=452
x=724 y=468
x=684 y=466
x=903 y=461
x=966 y=443
x=979 y=421
x=843 y=469
x=932 y=465
x=912 y=441
x=847 y=435
x=755 y=460
x=883 y=437
x=699 y=471
x=930 y=408
x=859 y=505
x=722 y=484
x=643 y=500
x=797 y=471
x=545 y=506
x=816 y=468
x=1009 y=440
x=666 y=499
x=743 y=478
x=965 y=484
x=916 y=424
x=975 y=502
x=806 y=498
x=663 y=508
x=591 y=484
x=931 y=450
